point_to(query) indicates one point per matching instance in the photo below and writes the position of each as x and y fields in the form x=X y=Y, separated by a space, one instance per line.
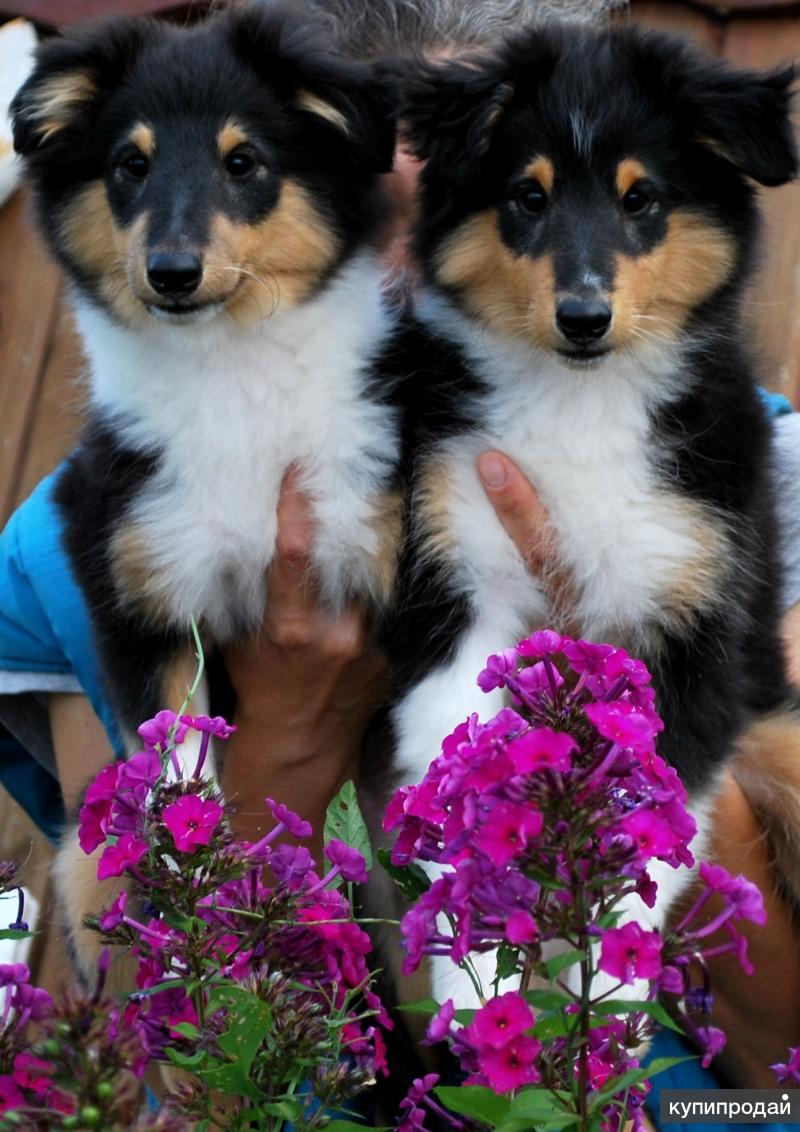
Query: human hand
x=307 y=683
x=526 y=521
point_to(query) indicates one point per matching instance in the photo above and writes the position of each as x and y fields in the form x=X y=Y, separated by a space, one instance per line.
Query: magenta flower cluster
x=540 y=827
x=235 y=943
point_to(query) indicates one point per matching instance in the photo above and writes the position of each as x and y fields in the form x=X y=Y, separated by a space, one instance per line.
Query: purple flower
x=115 y=915
x=295 y=825
x=651 y=835
x=789 y=1071
x=624 y=724
x=164 y=728
x=30 y=1003
x=500 y=1021
x=347 y=860
x=442 y=1022
x=507 y=831
x=498 y=668
x=116 y=859
x=210 y=725
x=192 y=821
x=711 y=1042
x=544 y=643
x=511 y=1066
x=630 y=953
x=542 y=749
x=11 y=974
x=521 y=927
x=10 y=1095
x=139 y=773
x=96 y=809
x=739 y=892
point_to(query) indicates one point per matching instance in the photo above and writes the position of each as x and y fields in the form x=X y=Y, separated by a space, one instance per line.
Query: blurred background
x=40 y=358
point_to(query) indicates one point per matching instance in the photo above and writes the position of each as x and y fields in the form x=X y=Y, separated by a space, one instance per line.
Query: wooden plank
x=28 y=291
x=703 y=27
x=59 y=410
x=773 y=308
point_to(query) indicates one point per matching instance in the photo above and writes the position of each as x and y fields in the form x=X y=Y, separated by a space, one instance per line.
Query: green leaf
x=537 y=1104
x=187 y=1030
x=430 y=1007
x=411 y=880
x=634 y=1006
x=548 y=999
x=343 y=820
x=474 y=1101
x=185 y=1060
x=559 y=963
x=507 y=960
x=248 y=1020
x=14 y=933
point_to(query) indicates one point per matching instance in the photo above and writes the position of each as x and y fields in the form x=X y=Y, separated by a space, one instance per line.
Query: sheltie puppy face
x=589 y=190
x=181 y=173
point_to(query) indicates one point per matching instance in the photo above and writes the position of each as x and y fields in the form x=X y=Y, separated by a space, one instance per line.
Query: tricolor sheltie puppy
x=586 y=228
x=213 y=194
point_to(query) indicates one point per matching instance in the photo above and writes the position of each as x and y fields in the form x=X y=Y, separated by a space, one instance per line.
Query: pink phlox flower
x=116 y=859
x=12 y=974
x=630 y=953
x=498 y=668
x=788 y=1071
x=521 y=927
x=186 y=1013
x=442 y=1022
x=192 y=821
x=542 y=749
x=537 y=681
x=139 y=773
x=211 y=725
x=291 y=864
x=10 y=1095
x=623 y=723
x=32 y=1072
x=507 y=830
x=499 y=1021
x=543 y=643
x=511 y=1066
x=115 y=915
x=672 y=980
x=96 y=809
x=349 y=861
x=739 y=892
x=650 y=834
x=647 y=890
x=295 y=825
x=711 y=1041
x=34 y=1002
x=163 y=728
x=598 y=1071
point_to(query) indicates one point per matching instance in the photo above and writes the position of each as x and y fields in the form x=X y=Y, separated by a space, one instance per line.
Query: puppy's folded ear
x=745 y=118
x=357 y=100
x=741 y=116
x=71 y=79
x=449 y=111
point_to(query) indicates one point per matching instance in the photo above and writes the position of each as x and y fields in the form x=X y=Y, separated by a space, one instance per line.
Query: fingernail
x=492 y=470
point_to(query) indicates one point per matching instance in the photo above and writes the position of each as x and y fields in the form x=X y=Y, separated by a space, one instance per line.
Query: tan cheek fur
x=279 y=261
x=113 y=256
x=511 y=294
x=653 y=295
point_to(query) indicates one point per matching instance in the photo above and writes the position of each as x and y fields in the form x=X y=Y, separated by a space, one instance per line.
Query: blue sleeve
x=44 y=623
x=689 y=1074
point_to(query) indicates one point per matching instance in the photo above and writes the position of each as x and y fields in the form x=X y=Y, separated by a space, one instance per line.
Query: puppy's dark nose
x=174 y=273
x=583 y=320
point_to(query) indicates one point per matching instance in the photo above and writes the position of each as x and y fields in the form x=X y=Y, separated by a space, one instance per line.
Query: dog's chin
x=584 y=359
x=185 y=314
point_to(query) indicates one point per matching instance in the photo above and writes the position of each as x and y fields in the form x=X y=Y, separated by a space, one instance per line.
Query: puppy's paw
x=80 y=894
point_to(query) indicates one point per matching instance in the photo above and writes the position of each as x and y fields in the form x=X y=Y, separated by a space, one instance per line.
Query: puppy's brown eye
x=136 y=166
x=531 y=197
x=637 y=199
x=240 y=164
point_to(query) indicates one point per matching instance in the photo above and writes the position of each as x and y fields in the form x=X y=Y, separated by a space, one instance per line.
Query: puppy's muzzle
x=583 y=321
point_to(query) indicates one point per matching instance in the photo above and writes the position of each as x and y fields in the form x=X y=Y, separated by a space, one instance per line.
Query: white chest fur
x=584 y=438
x=231 y=409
